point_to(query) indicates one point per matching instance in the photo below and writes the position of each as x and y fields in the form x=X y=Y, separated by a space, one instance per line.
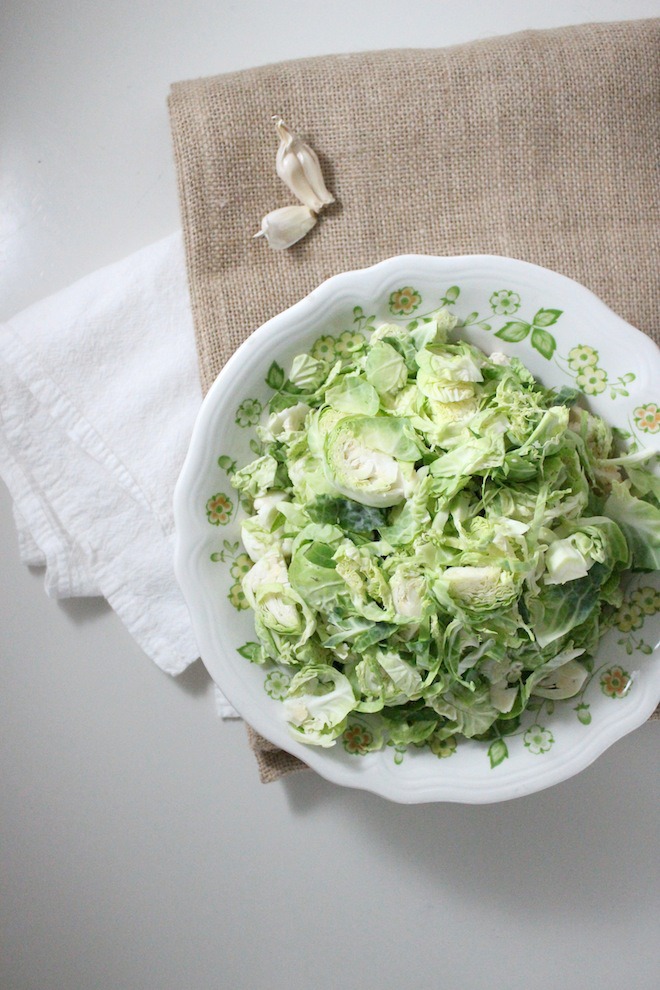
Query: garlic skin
x=284 y=227
x=298 y=166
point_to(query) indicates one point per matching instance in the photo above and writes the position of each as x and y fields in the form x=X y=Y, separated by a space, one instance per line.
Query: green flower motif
x=505 y=302
x=537 y=739
x=443 y=748
x=237 y=596
x=348 y=343
x=592 y=381
x=648 y=417
x=582 y=357
x=647 y=599
x=323 y=348
x=404 y=301
x=276 y=685
x=629 y=617
x=219 y=509
x=356 y=740
x=615 y=682
x=240 y=566
x=248 y=412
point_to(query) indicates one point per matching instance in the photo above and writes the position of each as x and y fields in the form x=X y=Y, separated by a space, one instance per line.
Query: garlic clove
x=298 y=166
x=284 y=227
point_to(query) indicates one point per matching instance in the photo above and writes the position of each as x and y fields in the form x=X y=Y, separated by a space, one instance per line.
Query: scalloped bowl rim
x=188 y=545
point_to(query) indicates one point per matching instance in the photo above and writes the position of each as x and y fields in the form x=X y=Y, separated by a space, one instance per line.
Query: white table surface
x=139 y=850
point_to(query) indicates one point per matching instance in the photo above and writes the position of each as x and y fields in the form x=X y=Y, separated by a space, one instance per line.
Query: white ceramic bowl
x=565 y=336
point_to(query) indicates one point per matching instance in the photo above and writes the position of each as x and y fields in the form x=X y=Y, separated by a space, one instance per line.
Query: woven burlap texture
x=540 y=145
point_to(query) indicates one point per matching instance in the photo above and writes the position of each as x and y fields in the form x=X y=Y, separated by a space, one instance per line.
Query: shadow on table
x=195 y=679
x=589 y=841
x=82 y=610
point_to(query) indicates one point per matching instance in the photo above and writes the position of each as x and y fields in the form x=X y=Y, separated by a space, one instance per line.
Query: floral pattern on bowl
x=566 y=337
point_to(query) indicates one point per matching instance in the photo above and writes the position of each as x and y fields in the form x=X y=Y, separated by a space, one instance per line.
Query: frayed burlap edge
x=272 y=762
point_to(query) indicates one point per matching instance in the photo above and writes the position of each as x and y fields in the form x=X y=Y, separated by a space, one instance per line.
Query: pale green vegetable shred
x=436 y=538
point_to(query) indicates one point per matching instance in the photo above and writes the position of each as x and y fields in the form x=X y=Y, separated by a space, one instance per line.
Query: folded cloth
x=539 y=146
x=99 y=390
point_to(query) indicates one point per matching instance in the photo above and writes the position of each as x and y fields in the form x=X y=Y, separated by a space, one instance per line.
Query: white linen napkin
x=99 y=390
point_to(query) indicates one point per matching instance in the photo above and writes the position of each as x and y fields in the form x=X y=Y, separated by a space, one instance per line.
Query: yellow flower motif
x=647 y=599
x=348 y=343
x=324 y=348
x=582 y=357
x=219 y=509
x=443 y=748
x=357 y=740
x=240 y=566
x=404 y=301
x=648 y=417
x=237 y=596
x=592 y=381
x=615 y=682
x=628 y=617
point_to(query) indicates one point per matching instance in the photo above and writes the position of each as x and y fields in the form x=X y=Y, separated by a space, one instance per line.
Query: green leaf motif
x=251 y=651
x=451 y=295
x=363 y=321
x=546 y=317
x=399 y=753
x=583 y=714
x=514 y=331
x=275 y=376
x=470 y=318
x=543 y=342
x=497 y=753
x=227 y=464
x=507 y=726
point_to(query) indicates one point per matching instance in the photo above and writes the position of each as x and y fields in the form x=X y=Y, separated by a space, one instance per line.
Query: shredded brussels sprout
x=436 y=538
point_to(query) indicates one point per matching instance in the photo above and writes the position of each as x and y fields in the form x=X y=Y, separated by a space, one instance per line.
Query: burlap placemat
x=540 y=145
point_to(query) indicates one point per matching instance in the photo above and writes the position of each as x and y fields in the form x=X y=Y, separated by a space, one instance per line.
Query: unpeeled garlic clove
x=298 y=166
x=283 y=227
